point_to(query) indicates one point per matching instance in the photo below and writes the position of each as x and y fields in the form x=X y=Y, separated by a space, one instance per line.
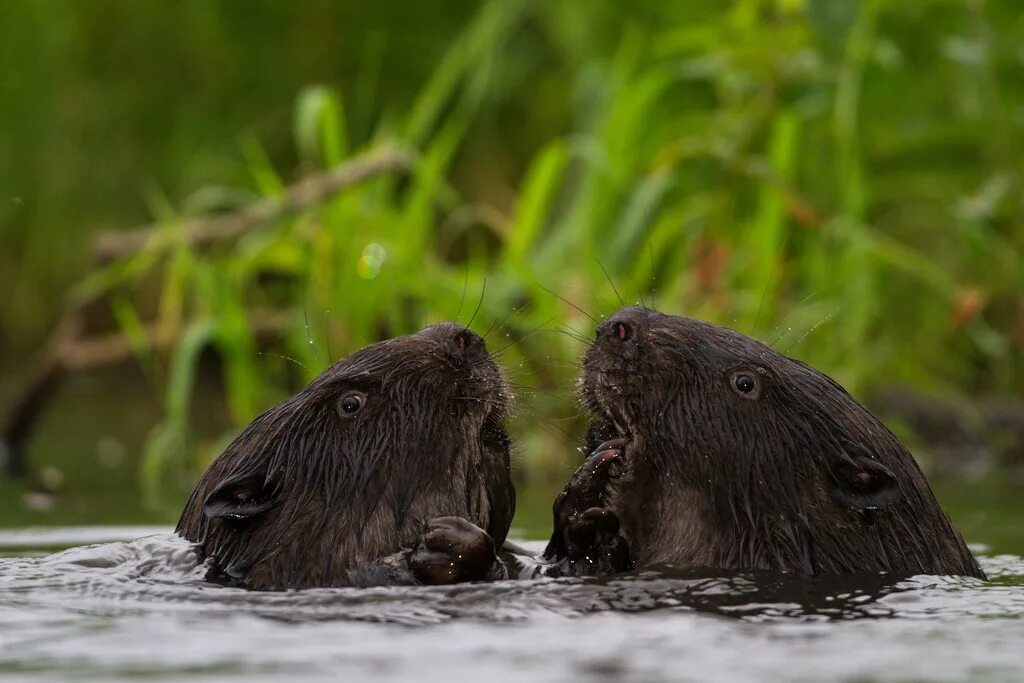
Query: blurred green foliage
x=842 y=179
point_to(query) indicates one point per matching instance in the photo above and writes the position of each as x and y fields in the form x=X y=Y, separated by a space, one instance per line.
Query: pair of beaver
x=709 y=449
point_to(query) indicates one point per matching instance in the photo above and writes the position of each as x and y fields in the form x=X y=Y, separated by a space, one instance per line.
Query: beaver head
x=739 y=457
x=348 y=469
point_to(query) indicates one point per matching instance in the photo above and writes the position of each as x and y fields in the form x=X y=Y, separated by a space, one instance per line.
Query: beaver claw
x=451 y=550
x=586 y=534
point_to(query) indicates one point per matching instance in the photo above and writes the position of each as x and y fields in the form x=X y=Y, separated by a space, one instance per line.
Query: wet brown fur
x=801 y=479
x=341 y=492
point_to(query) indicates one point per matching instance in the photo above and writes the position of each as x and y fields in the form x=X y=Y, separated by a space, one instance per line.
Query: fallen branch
x=313 y=190
x=68 y=351
x=47 y=375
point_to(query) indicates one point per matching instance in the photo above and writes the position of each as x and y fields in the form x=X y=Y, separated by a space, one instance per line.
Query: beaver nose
x=468 y=344
x=622 y=330
x=622 y=325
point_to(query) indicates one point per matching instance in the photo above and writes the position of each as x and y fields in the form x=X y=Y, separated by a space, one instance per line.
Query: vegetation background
x=840 y=178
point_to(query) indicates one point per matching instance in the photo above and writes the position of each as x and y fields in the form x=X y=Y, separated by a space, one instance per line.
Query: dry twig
x=198 y=232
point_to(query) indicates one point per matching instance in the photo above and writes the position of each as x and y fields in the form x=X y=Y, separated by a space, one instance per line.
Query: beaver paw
x=593 y=544
x=586 y=487
x=586 y=533
x=451 y=550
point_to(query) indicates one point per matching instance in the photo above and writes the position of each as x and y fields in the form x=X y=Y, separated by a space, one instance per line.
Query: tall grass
x=841 y=184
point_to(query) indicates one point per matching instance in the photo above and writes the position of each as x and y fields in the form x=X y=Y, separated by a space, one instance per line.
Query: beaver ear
x=861 y=483
x=241 y=497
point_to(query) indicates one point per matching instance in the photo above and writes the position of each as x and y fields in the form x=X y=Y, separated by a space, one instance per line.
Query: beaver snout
x=458 y=345
x=468 y=346
x=624 y=325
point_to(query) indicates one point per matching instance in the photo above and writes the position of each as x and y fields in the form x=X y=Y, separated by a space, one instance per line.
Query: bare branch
x=68 y=351
x=110 y=246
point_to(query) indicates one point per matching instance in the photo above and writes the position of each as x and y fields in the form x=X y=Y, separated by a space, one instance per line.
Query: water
x=139 y=608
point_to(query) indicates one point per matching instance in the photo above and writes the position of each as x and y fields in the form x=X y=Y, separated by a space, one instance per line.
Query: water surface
x=108 y=609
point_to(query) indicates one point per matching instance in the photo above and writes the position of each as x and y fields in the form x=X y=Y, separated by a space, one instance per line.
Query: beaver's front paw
x=452 y=550
x=587 y=486
x=586 y=533
x=593 y=544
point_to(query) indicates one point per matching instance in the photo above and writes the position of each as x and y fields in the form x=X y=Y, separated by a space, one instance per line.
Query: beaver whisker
x=508 y=319
x=611 y=282
x=479 y=399
x=564 y=300
x=487 y=361
x=572 y=417
x=287 y=358
x=564 y=329
x=572 y=334
x=497 y=354
x=490 y=329
x=483 y=290
x=551 y=362
x=812 y=329
x=522 y=388
x=561 y=431
x=465 y=288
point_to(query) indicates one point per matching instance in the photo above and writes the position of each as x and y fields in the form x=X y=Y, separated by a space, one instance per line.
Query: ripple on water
x=141 y=608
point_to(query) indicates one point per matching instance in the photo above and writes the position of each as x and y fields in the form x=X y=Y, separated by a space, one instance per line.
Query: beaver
x=391 y=467
x=711 y=449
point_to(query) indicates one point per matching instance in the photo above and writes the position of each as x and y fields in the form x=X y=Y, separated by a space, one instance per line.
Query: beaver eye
x=350 y=404
x=623 y=331
x=746 y=384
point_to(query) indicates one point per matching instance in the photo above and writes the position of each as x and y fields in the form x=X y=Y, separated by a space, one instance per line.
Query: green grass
x=839 y=179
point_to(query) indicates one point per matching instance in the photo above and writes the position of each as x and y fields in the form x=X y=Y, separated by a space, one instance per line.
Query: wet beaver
x=392 y=466
x=721 y=452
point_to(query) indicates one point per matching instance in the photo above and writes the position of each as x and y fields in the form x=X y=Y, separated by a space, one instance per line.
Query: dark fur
x=307 y=497
x=802 y=479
